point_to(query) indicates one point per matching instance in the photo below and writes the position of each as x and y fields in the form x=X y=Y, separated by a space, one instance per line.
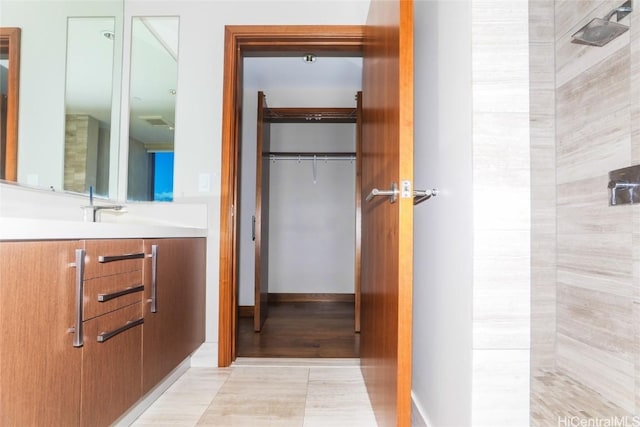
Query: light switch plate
x=204 y=183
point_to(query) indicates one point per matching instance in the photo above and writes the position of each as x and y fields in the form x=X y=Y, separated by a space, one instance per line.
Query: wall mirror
x=88 y=94
x=153 y=91
x=48 y=32
x=9 y=86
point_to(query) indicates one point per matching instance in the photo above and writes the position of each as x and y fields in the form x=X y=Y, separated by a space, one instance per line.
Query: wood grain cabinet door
x=39 y=367
x=112 y=365
x=174 y=308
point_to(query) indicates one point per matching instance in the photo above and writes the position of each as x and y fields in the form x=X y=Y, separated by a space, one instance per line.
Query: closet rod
x=308 y=155
x=318 y=158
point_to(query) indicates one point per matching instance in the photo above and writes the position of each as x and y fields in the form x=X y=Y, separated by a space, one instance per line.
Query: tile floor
x=558 y=400
x=266 y=392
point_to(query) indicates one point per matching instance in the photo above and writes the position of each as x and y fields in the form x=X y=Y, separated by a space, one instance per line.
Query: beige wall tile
x=593 y=147
x=541 y=22
x=596 y=319
x=558 y=399
x=603 y=371
x=635 y=86
x=601 y=263
x=573 y=59
x=595 y=251
x=596 y=91
x=500 y=56
x=501 y=383
x=543 y=212
x=583 y=207
x=569 y=13
x=543 y=181
x=502 y=205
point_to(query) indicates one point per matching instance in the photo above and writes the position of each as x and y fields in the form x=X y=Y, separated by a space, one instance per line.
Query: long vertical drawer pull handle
x=111 y=258
x=78 y=340
x=105 y=336
x=109 y=297
x=154 y=278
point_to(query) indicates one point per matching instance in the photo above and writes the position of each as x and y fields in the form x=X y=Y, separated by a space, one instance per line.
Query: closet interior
x=305 y=234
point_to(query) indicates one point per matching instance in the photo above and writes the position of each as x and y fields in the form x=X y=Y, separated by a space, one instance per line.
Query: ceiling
x=295 y=73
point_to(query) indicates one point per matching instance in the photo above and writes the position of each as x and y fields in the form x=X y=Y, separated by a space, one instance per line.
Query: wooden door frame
x=259 y=40
x=10 y=45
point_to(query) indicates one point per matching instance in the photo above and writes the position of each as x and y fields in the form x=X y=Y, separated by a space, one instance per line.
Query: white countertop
x=44 y=229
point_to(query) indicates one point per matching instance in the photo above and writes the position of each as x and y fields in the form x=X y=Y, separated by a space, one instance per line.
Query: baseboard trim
x=147 y=400
x=418 y=418
x=245 y=311
x=314 y=297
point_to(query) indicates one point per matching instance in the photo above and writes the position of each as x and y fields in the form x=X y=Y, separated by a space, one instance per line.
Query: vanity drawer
x=111 y=365
x=108 y=257
x=108 y=293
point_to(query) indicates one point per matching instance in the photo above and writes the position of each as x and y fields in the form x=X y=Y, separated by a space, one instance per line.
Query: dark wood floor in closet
x=301 y=329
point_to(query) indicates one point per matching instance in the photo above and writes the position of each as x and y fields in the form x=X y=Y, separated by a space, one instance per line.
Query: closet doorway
x=387 y=157
x=299 y=207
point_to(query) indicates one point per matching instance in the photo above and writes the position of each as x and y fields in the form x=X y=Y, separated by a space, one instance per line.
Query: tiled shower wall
x=543 y=183
x=501 y=212
x=597 y=247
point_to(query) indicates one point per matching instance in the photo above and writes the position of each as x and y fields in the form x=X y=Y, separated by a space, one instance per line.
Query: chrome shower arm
x=620 y=11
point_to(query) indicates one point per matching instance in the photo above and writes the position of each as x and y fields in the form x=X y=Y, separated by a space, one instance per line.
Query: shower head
x=599 y=31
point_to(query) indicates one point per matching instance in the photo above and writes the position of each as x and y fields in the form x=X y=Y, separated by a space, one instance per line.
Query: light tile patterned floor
x=558 y=400
x=266 y=392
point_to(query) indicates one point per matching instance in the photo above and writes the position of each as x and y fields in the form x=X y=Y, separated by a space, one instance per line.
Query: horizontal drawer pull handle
x=103 y=337
x=109 y=297
x=104 y=259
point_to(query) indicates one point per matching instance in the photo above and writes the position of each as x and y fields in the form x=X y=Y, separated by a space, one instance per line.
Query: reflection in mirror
x=88 y=104
x=9 y=86
x=154 y=75
x=43 y=62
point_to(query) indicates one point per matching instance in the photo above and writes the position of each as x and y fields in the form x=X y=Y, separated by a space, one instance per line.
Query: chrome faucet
x=96 y=208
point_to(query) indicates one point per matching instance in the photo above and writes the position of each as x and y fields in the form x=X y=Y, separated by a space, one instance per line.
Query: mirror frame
x=10 y=43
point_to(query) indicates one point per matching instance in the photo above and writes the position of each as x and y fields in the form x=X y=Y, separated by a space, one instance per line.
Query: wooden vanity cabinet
x=174 y=308
x=47 y=376
x=39 y=366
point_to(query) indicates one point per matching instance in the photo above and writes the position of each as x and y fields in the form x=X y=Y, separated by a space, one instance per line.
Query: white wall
x=443 y=233
x=312 y=224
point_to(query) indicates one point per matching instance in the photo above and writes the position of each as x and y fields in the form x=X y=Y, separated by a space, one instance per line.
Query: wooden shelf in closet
x=310 y=115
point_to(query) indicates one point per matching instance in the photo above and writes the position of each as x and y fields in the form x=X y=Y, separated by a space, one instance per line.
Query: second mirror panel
x=154 y=76
x=88 y=92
